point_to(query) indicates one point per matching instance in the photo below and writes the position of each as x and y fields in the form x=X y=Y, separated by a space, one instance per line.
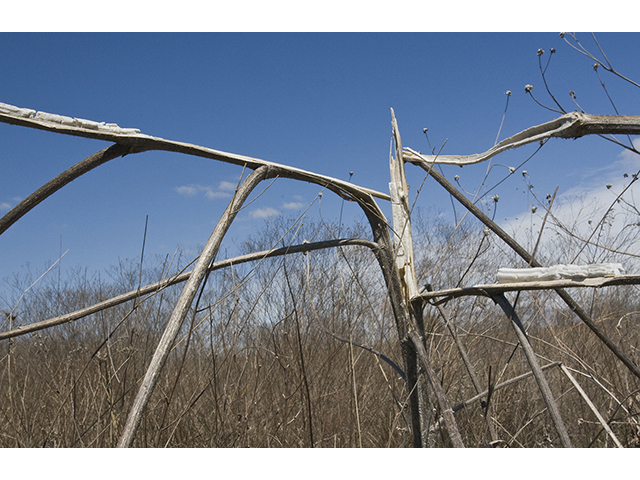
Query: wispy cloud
x=582 y=207
x=292 y=205
x=263 y=213
x=5 y=206
x=187 y=190
x=209 y=192
x=227 y=186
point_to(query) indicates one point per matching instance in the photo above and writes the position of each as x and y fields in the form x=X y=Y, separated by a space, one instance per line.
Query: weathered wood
x=495 y=288
x=404 y=268
x=538 y=374
x=138 y=142
x=441 y=397
x=184 y=304
x=570 y=125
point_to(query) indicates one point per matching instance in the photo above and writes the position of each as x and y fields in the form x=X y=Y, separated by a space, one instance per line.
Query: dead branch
x=569 y=125
x=184 y=303
x=179 y=278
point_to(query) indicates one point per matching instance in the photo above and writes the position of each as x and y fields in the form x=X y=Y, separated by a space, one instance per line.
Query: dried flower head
x=424 y=130
x=486 y=232
x=456 y=178
x=512 y=169
x=595 y=66
x=495 y=198
x=561 y=34
x=533 y=209
x=524 y=173
x=528 y=88
x=626 y=175
x=548 y=196
x=540 y=52
x=609 y=185
x=573 y=94
x=553 y=50
x=508 y=92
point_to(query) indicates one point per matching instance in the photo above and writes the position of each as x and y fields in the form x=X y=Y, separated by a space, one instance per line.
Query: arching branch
x=570 y=125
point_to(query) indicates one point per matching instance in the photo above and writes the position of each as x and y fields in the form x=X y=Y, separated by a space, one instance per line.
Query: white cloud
x=5 y=206
x=187 y=190
x=209 y=193
x=582 y=207
x=227 y=186
x=263 y=212
x=292 y=205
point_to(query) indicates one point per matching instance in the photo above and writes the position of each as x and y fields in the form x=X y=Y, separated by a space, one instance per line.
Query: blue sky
x=317 y=101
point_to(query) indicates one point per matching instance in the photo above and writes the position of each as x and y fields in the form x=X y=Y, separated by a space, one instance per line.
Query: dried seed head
x=533 y=209
x=553 y=50
x=456 y=178
x=528 y=88
x=495 y=198
x=512 y=169
x=424 y=130
x=561 y=34
x=573 y=94
x=609 y=185
x=540 y=52
x=595 y=66
x=508 y=92
x=524 y=173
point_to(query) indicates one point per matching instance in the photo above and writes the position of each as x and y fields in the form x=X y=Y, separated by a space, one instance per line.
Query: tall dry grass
x=264 y=359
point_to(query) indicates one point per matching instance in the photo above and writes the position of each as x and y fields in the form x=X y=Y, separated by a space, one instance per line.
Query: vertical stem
x=467 y=363
x=538 y=374
x=184 y=303
x=593 y=408
x=445 y=409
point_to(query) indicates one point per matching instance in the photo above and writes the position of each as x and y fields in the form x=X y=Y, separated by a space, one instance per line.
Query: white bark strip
x=142 y=142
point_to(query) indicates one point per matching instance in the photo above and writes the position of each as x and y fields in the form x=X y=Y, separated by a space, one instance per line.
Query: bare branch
x=571 y=125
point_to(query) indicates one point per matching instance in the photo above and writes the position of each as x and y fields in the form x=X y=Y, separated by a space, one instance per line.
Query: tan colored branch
x=179 y=278
x=570 y=125
x=141 y=142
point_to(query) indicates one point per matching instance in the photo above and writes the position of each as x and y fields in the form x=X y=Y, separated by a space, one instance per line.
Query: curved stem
x=61 y=180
